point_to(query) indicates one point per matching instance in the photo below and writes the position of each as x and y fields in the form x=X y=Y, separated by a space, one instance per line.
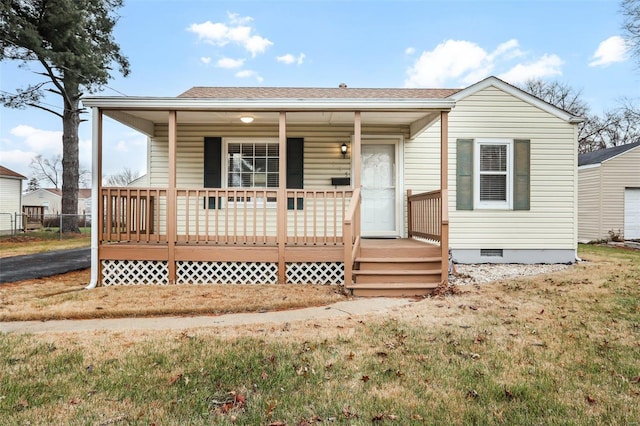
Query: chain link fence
x=31 y=223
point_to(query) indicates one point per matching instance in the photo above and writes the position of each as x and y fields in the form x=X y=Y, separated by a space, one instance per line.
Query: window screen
x=493 y=172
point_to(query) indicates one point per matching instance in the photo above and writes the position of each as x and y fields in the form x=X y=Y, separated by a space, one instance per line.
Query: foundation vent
x=491 y=253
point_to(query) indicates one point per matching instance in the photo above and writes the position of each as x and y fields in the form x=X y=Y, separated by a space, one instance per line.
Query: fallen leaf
x=350 y=356
x=346 y=411
x=174 y=379
x=365 y=379
x=264 y=375
x=472 y=393
x=508 y=394
x=74 y=401
x=591 y=400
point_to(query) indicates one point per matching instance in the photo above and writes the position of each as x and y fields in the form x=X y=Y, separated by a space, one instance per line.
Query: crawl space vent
x=491 y=252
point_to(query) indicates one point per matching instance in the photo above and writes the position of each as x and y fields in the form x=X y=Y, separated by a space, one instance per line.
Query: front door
x=379 y=182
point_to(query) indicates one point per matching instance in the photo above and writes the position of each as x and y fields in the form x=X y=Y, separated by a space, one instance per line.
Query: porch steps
x=399 y=267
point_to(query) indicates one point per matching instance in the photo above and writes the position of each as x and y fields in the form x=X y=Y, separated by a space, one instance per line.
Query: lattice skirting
x=153 y=272
x=315 y=273
x=226 y=272
x=132 y=272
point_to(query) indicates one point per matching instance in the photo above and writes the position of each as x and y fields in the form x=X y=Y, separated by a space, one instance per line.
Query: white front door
x=379 y=180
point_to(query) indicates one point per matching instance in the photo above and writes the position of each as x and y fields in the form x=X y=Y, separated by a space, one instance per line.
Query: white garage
x=609 y=193
x=632 y=213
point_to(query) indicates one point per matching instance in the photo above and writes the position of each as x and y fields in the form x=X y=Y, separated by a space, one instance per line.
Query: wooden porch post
x=356 y=148
x=171 y=197
x=282 y=196
x=444 y=193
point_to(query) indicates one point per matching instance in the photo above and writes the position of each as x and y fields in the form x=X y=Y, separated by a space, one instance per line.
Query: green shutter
x=295 y=171
x=521 y=175
x=212 y=168
x=464 y=174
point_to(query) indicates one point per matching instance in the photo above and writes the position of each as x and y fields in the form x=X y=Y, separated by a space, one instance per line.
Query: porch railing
x=424 y=215
x=133 y=215
x=351 y=235
x=224 y=216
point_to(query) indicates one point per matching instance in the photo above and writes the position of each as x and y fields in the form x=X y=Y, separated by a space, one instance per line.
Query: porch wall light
x=246 y=119
x=343 y=150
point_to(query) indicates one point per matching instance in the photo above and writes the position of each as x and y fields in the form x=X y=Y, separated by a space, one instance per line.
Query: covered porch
x=174 y=232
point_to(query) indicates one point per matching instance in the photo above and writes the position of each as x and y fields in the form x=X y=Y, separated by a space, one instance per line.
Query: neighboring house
x=609 y=193
x=10 y=200
x=51 y=200
x=139 y=182
x=337 y=185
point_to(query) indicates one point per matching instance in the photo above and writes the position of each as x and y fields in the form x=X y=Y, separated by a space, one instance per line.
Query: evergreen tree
x=71 y=44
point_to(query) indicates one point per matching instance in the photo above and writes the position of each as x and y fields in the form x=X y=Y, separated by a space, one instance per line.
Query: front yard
x=559 y=348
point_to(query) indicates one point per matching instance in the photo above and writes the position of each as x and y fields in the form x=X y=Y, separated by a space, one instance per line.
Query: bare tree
x=48 y=170
x=123 y=178
x=631 y=25
x=615 y=127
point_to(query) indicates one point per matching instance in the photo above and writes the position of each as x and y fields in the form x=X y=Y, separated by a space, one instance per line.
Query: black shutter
x=212 y=168
x=295 y=171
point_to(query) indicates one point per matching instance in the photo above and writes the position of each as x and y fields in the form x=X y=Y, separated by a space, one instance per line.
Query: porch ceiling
x=144 y=120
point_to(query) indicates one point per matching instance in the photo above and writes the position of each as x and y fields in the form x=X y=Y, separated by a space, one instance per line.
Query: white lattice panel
x=227 y=273
x=134 y=272
x=315 y=273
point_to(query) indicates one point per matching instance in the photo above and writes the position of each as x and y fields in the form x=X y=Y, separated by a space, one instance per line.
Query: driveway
x=39 y=265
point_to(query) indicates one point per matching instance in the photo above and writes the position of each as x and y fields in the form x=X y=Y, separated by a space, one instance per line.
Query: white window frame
x=255 y=201
x=499 y=205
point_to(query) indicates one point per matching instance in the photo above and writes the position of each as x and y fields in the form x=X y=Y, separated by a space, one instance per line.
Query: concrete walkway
x=336 y=310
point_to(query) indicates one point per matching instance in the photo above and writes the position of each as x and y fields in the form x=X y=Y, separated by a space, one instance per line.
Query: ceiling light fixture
x=246 y=119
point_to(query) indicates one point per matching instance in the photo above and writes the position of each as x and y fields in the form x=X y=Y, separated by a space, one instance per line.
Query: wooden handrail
x=351 y=235
x=426 y=215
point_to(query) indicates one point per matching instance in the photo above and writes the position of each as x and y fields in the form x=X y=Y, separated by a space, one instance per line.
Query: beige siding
x=10 y=193
x=322 y=158
x=616 y=174
x=492 y=113
x=589 y=204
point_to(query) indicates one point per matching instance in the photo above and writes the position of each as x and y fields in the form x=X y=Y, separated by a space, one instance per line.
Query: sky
x=173 y=45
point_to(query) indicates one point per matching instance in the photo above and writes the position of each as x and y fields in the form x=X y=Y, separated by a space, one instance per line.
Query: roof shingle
x=314 y=93
x=597 y=157
x=10 y=173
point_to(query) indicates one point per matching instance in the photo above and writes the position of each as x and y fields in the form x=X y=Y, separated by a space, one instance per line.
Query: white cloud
x=457 y=62
x=451 y=59
x=235 y=31
x=291 y=59
x=614 y=49
x=249 y=74
x=44 y=142
x=546 y=66
x=229 y=63
x=205 y=60
x=410 y=50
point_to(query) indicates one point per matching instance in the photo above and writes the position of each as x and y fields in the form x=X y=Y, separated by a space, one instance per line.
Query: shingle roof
x=597 y=157
x=10 y=173
x=314 y=93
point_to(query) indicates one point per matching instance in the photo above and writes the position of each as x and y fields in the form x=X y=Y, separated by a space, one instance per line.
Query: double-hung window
x=252 y=163
x=493 y=161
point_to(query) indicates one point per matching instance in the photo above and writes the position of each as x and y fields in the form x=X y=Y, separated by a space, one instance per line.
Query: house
x=51 y=200
x=363 y=187
x=10 y=201
x=609 y=193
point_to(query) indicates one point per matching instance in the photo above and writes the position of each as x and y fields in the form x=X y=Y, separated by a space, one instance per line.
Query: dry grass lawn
x=41 y=241
x=64 y=297
x=560 y=348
